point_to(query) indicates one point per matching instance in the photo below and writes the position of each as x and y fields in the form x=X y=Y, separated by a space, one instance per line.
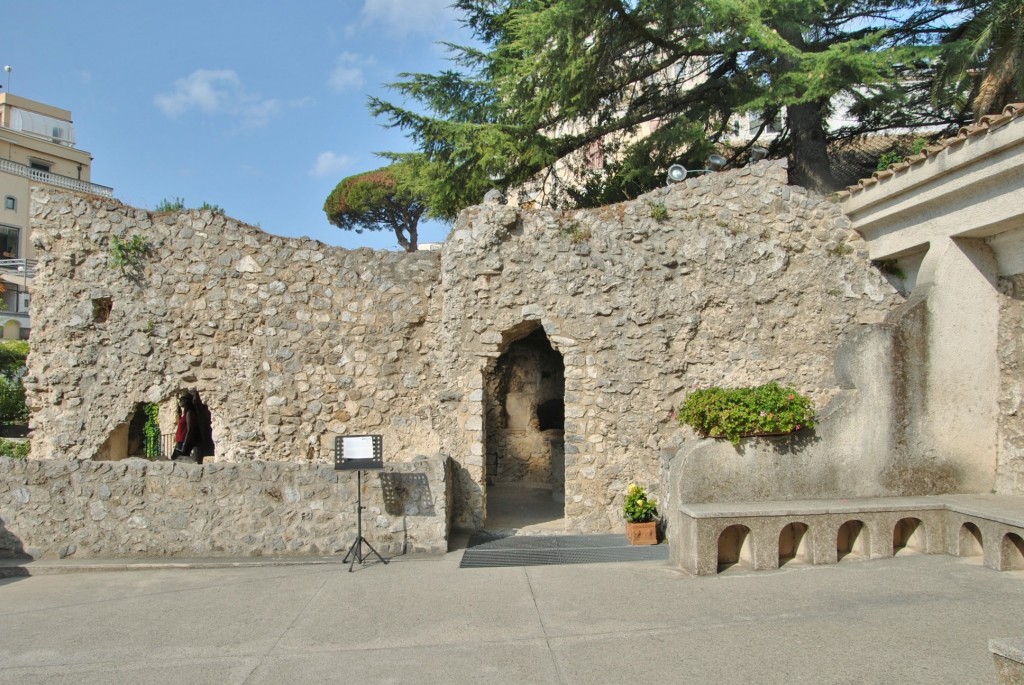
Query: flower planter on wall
x=642 y=533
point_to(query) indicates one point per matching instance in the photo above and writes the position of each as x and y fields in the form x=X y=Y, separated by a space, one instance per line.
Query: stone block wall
x=732 y=278
x=290 y=342
x=82 y=509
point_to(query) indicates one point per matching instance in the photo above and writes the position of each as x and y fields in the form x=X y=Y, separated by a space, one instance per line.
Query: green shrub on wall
x=735 y=413
x=18 y=449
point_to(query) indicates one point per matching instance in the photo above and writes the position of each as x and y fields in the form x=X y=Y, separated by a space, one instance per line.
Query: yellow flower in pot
x=641 y=512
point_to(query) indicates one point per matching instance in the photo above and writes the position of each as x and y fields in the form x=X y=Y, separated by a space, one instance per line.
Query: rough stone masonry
x=731 y=278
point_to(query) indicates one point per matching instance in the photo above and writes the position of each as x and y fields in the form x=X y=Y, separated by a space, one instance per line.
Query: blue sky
x=259 y=107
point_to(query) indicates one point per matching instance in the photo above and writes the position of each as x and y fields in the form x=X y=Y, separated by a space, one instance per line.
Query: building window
x=9 y=241
x=39 y=166
x=10 y=202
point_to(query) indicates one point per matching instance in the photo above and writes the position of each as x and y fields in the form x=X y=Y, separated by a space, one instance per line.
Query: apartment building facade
x=37 y=147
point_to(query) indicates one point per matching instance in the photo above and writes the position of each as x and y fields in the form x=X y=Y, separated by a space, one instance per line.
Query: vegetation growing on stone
x=216 y=209
x=735 y=413
x=17 y=449
x=659 y=212
x=127 y=254
x=175 y=205
x=577 y=234
x=178 y=205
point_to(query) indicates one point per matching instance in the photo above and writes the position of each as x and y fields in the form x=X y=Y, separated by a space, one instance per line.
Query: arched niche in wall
x=524 y=410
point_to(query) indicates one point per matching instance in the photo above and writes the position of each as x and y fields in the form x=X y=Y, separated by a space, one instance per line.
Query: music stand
x=359 y=453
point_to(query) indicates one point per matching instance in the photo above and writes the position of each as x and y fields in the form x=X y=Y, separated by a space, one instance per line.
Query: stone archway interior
x=526 y=416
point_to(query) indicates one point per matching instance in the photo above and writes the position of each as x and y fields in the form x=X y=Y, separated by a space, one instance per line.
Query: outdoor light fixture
x=716 y=162
x=676 y=173
x=757 y=153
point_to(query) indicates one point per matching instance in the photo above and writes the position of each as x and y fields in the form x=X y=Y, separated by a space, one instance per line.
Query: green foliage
x=840 y=250
x=638 y=507
x=12 y=401
x=889 y=158
x=13 y=357
x=18 y=449
x=734 y=413
x=659 y=212
x=898 y=153
x=376 y=201
x=178 y=205
x=128 y=254
x=175 y=205
x=151 y=430
x=648 y=83
x=576 y=234
x=216 y=209
x=982 y=65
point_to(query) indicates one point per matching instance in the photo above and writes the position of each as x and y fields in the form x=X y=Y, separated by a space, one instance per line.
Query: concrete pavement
x=910 y=619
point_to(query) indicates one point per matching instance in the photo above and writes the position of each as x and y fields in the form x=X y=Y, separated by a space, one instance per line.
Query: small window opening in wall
x=39 y=166
x=101 y=307
x=10 y=202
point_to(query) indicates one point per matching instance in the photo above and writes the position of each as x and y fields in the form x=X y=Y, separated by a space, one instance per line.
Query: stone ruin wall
x=289 y=342
x=138 y=508
x=1010 y=466
x=732 y=278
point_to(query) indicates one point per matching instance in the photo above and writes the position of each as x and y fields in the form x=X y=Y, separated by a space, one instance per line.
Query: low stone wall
x=138 y=508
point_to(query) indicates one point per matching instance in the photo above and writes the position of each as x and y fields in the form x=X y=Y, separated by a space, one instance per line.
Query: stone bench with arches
x=710 y=537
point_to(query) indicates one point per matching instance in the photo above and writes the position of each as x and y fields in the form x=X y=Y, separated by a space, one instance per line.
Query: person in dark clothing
x=186 y=436
x=204 y=438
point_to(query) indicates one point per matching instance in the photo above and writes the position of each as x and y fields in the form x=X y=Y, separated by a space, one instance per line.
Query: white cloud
x=330 y=163
x=403 y=17
x=217 y=91
x=347 y=72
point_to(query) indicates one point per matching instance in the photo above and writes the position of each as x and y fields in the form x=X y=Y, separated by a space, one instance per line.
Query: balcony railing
x=57 y=180
x=19 y=267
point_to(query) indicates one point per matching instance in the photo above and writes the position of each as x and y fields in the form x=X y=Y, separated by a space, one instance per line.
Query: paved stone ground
x=911 y=619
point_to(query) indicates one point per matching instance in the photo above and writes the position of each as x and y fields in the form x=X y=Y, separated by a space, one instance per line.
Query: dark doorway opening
x=524 y=406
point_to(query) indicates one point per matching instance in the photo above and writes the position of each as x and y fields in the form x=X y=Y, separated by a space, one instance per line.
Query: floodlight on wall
x=676 y=173
x=716 y=162
x=757 y=154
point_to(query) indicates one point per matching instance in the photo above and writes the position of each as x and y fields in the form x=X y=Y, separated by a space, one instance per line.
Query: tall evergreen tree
x=645 y=83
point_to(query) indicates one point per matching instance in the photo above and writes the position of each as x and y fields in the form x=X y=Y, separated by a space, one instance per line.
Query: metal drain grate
x=545 y=550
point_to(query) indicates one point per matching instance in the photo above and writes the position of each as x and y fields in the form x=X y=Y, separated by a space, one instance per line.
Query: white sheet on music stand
x=358 y=448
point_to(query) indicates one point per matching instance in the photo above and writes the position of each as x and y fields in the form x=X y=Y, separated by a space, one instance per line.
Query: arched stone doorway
x=524 y=409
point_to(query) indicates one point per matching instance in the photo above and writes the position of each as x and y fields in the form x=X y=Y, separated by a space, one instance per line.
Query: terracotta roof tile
x=987 y=123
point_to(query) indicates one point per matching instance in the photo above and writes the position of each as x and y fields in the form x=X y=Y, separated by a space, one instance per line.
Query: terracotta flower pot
x=642 y=533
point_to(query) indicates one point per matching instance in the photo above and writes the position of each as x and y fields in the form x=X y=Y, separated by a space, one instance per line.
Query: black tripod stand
x=356 y=550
